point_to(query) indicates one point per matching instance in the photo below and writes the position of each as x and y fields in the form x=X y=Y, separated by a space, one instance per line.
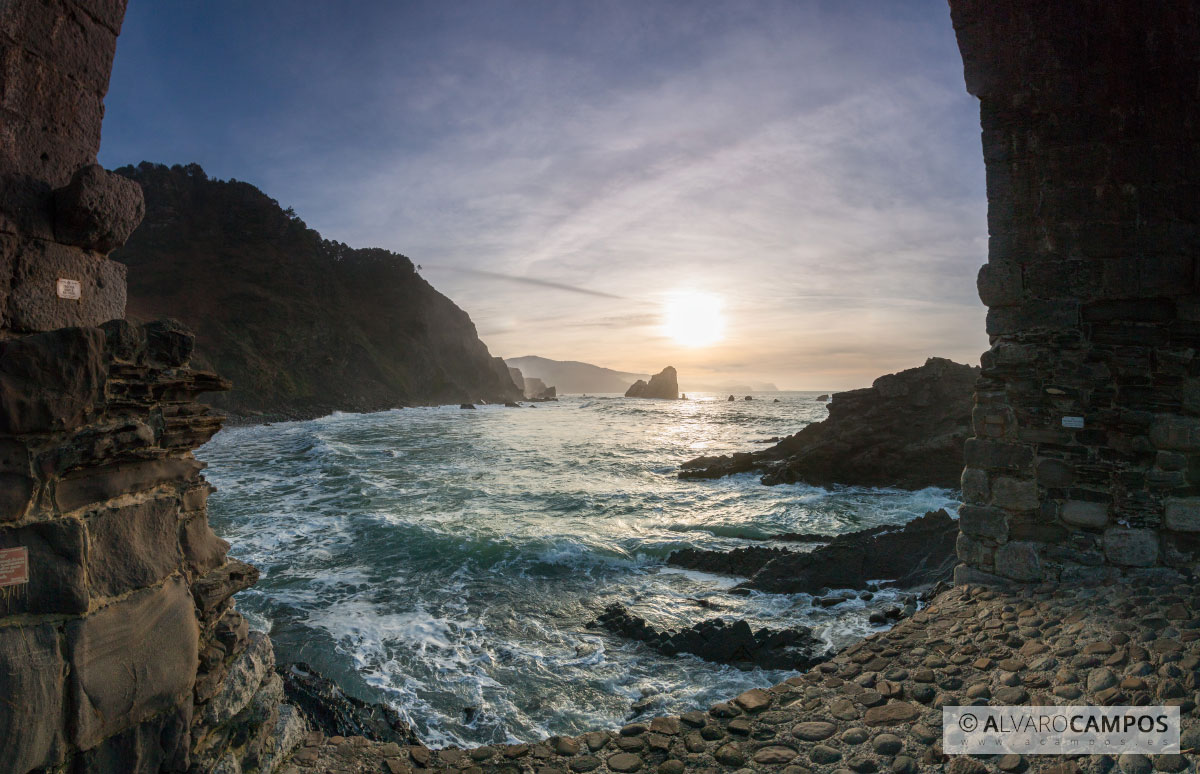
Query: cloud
x=539 y=283
x=564 y=167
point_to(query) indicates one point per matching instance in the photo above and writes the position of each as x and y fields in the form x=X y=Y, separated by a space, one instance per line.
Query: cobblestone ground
x=875 y=707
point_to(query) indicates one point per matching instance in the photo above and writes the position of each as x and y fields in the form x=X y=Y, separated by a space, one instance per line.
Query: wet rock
x=721 y=642
x=336 y=713
x=920 y=553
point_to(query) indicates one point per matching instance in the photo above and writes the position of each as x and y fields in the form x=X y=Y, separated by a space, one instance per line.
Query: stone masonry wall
x=120 y=649
x=1086 y=457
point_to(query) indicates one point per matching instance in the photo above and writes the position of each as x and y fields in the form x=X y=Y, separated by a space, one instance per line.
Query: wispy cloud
x=538 y=283
x=564 y=167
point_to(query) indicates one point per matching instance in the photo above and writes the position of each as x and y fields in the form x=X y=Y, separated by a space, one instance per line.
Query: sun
x=694 y=319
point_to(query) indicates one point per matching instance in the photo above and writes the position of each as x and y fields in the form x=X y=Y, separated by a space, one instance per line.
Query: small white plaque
x=70 y=289
x=1075 y=423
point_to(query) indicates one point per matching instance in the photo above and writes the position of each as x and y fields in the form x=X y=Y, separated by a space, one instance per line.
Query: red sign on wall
x=14 y=566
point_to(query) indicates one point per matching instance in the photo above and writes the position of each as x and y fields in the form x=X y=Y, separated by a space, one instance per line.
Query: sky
x=588 y=178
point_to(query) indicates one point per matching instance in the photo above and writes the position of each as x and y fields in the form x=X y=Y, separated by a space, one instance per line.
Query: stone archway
x=1086 y=460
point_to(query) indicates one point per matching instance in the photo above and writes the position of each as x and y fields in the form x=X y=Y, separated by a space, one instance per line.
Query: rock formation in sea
x=572 y=376
x=907 y=430
x=720 y=641
x=663 y=385
x=302 y=325
x=536 y=389
x=919 y=554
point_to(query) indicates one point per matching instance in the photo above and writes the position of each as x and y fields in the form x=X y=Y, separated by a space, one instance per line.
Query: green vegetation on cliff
x=302 y=325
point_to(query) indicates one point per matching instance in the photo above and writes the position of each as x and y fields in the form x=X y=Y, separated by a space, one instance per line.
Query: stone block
x=34 y=302
x=980 y=522
x=967 y=575
x=1083 y=513
x=57 y=582
x=975 y=487
x=999 y=284
x=133 y=546
x=995 y=455
x=16 y=495
x=1055 y=473
x=33 y=690
x=1183 y=514
x=1131 y=547
x=92 y=485
x=1036 y=526
x=1056 y=314
x=97 y=210
x=131 y=661
x=1175 y=433
x=1014 y=494
x=50 y=381
x=974 y=552
x=1019 y=560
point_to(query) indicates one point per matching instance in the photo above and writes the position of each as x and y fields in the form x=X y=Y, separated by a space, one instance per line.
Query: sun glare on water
x=694 y=319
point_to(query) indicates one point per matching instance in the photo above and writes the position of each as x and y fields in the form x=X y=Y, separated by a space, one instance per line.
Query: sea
x=448 y=562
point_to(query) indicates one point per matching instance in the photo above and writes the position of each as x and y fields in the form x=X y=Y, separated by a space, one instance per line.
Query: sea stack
x=664 y=385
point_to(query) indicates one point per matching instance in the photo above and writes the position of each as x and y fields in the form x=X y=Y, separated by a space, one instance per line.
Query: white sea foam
x=448 y=559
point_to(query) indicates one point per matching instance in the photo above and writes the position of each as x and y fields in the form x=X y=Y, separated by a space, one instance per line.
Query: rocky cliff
x=663 y=385
x=907 y=430
x=120 y=648
x=300 y=324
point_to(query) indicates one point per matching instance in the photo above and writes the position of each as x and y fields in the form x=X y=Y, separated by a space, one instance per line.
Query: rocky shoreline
x=907 y=430
x=876 y=706
x=919 y=554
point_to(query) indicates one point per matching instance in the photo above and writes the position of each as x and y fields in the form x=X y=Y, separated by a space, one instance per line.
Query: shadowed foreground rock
x=721 y=642
x=920 y=553
x=907 y=430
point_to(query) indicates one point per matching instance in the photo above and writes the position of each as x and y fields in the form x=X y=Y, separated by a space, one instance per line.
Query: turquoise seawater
x=448 y=561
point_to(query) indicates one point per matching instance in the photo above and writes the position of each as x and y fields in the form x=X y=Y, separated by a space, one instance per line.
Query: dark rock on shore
x=722 y=642
x=919 y=554
x=335 y=713
x=907 y=431
x=663 y=385
x=744 y=561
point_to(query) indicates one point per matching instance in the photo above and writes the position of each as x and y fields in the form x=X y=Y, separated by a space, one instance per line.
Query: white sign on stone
x=70 y=289
x=14 y=566
x=1073 y=422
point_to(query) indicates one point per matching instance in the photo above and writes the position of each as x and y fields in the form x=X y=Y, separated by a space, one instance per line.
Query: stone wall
x=120 y=649
x=1086 y=457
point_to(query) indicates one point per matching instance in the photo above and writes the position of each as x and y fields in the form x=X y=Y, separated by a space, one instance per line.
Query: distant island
x=302 y=325
x=572 y=376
